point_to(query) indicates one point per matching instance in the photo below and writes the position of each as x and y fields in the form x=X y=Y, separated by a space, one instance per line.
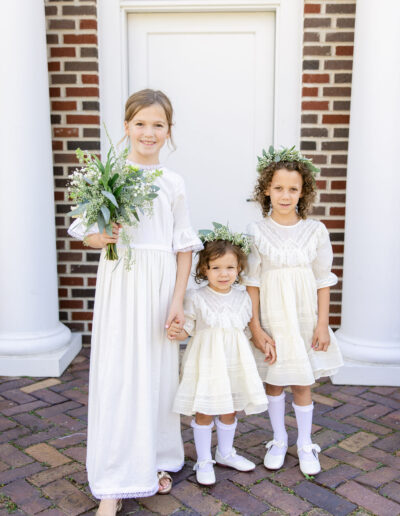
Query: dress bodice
x=167 y=228
x=206 y=308
x=304 y=244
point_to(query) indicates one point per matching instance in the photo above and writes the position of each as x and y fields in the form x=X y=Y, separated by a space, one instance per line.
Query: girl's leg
x=202 y=429
x=109 y=507
x=307 y=451
x=277 y=448
x=225 y=454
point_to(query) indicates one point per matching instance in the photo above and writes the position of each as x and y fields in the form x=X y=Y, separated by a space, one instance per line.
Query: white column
x=32 y=340
x=370 y=332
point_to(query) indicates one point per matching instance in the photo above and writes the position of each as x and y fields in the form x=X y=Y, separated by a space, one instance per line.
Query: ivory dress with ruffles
x=219 y=373
x=134 y=368
x=289 y=264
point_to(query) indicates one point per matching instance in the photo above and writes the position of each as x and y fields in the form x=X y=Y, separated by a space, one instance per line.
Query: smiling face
x=222 y=272
x=147 y=130
x=285 y=191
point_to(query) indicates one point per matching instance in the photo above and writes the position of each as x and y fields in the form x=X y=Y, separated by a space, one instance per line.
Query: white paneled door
x=218 y=70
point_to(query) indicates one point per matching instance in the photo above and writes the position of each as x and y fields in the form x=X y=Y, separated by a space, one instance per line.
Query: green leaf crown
x=221 y=232
x=285 y=154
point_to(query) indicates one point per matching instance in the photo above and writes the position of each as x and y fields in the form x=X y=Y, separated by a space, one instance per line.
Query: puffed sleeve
x=184 y=237
x=252 y=274
x=322 y=263
x=78 y=229
x=190 y=313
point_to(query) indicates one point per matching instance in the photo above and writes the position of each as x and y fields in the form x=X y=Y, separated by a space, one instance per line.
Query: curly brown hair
x=308 y=190
x=216 y=249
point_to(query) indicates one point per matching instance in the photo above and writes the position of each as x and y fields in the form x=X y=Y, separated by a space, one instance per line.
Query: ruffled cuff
x=247 y=281
x=79 y=231
x=185 y=240
x=328 y=281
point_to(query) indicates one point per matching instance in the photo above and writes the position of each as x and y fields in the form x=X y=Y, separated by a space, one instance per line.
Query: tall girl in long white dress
x=132 y=432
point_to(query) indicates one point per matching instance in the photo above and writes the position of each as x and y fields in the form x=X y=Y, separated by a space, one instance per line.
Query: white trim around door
x=113 y=57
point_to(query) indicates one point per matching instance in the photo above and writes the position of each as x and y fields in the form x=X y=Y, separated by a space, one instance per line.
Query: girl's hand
x=264 y=343
x=100 y=240
x=321 y=338
x=270 y=353
x=174 y=332
x=176 y=315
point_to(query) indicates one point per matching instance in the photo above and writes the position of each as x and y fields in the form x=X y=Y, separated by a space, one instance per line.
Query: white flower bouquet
x=115 y=191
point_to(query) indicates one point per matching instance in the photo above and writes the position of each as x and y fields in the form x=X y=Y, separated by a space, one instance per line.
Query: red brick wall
x=327 y=67
x=74 y=96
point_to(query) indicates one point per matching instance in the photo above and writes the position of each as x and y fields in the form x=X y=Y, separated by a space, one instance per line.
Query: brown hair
x=145 y=98
x=216 y=249
x=308 y=190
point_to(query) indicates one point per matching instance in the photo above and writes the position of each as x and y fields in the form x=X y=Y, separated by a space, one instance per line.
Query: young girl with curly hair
x=288 y=279
x=219 y=373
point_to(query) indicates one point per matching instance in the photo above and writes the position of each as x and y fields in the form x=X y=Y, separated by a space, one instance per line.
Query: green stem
x=111 y=252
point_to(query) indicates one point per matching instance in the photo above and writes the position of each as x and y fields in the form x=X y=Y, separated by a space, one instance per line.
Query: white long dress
x=219 y=373
x=289 y=264
x=134 y=368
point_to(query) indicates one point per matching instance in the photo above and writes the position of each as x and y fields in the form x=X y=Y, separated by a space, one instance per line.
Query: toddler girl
x=288 y=279
x=219 y=373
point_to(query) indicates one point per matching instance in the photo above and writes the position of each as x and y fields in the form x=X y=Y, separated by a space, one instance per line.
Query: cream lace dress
x=289 y=264
x=219 y=374
x=134 y=368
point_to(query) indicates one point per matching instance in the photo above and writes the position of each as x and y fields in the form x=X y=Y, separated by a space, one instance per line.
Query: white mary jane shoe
x=205 y=478
x=232 y=460
x=275 y=461
x=308 y=459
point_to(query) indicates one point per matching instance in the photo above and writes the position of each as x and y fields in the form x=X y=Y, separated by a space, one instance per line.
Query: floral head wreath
x=221 y=232
x=285 y=154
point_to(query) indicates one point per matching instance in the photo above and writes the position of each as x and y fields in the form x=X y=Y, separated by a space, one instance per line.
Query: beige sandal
x=161 y=475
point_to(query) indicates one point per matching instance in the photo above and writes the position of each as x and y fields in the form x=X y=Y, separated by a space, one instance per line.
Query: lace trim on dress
x=300 y=250
x=217 y=311
x=122 y=496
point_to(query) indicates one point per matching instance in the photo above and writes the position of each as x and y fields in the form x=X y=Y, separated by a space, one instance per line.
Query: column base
x=43 y=364
x=362 y=373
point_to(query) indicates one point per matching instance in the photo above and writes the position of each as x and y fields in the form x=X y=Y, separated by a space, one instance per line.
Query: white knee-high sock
x=226 y=434
x=202 y=441
x=304 y=415
x=276 y=411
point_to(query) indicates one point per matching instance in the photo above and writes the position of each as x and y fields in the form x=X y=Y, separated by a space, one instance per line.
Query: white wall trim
x=113 y=57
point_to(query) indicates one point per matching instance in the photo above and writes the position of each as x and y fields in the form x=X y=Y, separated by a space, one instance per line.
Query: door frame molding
x=113 y=57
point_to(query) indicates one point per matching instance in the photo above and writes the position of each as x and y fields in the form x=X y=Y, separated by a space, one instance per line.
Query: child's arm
x=184 y=263
x=261 y=339
x=321 y=338
x=174 y=332
x=100 y=240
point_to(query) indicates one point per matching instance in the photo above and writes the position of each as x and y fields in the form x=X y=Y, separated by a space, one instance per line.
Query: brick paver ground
x=42 y=455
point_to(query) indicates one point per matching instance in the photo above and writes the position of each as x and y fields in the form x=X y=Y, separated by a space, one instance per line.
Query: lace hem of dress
x=123 y=496
x=136 y=494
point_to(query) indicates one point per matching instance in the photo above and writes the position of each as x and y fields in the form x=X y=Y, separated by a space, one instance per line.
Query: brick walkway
x=42 y=454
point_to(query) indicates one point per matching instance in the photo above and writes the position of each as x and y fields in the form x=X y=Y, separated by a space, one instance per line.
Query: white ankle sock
x=226 y=434
x=304 y=416
x=202 y=442
x=276 y=410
